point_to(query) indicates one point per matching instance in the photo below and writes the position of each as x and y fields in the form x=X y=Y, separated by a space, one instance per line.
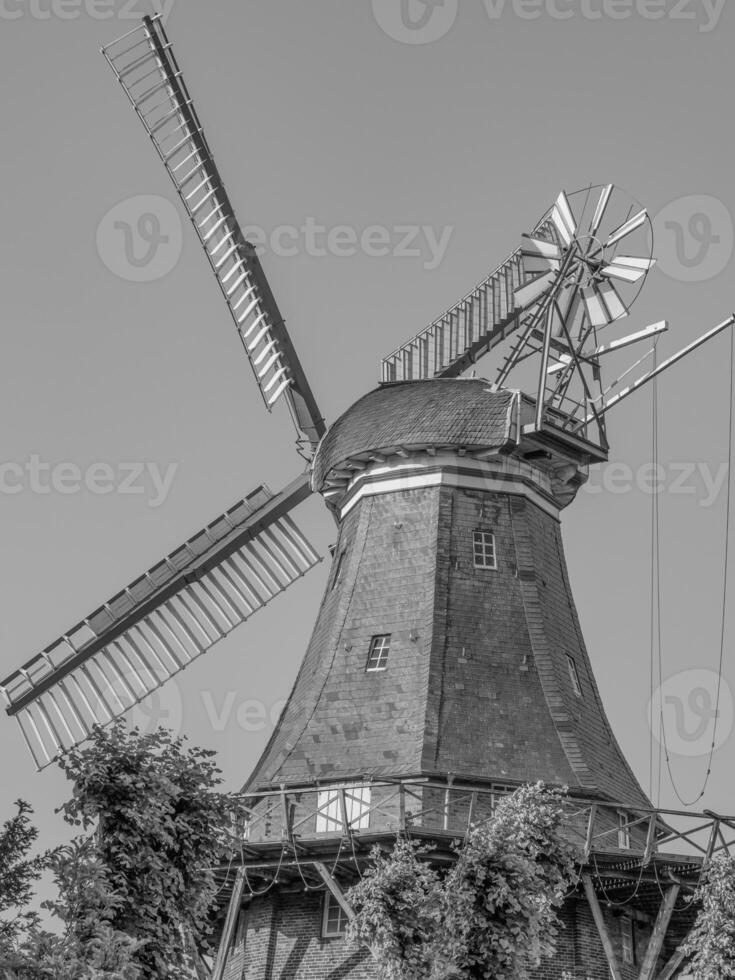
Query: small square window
x=483 y=548
x=378 y=655
x=334 y=918
x=623 y=831
x=627 y=936
x=574 y=674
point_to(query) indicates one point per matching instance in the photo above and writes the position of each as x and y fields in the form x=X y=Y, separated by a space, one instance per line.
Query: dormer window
x=483 y=548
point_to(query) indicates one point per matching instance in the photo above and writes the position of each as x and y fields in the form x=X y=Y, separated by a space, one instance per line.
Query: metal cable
x=724 y=603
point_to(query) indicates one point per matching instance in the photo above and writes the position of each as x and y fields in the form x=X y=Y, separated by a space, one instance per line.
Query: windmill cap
x=416 y=415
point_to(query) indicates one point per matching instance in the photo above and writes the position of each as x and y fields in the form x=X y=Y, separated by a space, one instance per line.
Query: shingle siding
x=482 y=690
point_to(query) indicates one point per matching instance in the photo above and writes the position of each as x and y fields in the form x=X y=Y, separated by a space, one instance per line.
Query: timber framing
x=645 y=882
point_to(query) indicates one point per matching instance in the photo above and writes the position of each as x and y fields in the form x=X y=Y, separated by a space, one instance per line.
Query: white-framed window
x=627 y=939
x=574 y=675
x=334 y=918
x=483 y=549
x=329 y=809
x=623 y=831
x=378 y=653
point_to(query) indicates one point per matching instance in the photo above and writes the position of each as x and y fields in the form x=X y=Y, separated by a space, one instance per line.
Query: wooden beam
x=673 y=965
x=651 y=838
x=590 y=832
x=334 y=888
x=228 y=932
x=655 y=943
x=607 y=945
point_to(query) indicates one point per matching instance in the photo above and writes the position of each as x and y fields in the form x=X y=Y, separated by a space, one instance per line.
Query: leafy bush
x=711 y=943
x=493 y=914
x=162 y=829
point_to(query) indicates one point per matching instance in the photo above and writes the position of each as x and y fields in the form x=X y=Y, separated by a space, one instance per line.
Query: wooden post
x=607 y=945
x=228 y=932
x=343 y=810
x=334 y=888
x=402 y=807
x=655 y=943
x=285 y=821
x=590 y=832
x=473 y=807
x=651 y=838
x=447 y=800
x=673 y=965
x=712 y=843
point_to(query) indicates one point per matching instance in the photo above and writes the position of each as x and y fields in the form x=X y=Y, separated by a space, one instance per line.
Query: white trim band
x=501 y=474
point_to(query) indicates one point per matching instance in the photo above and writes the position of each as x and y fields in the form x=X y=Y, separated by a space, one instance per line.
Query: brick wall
x=281 y=940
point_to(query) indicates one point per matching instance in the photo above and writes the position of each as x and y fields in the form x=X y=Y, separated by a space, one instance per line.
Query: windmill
x=553 y=296
x=427 y=449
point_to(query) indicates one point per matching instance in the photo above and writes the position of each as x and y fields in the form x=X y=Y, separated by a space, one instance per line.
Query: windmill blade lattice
x=159 y=624
x=478 y=323
x=145 y=65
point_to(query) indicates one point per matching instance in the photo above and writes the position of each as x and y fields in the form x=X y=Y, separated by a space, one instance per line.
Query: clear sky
x=342 y=113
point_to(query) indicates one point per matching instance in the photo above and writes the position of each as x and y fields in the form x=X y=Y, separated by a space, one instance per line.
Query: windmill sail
x=145 y=65
x=506 y=300
x=159 y=624
x=452 y=342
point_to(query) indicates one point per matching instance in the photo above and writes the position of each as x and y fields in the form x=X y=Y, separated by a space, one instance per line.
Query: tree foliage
x=135 y=889
x=162 y=827
x=398 y=910
x=711 y=943
x=88 y=947
x=493 y=914
x=18 y=873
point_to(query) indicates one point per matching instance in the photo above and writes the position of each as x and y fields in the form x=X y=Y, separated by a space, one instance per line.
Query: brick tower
x=446 y=666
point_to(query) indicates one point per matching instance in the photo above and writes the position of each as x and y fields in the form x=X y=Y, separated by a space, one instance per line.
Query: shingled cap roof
x=413 y=414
